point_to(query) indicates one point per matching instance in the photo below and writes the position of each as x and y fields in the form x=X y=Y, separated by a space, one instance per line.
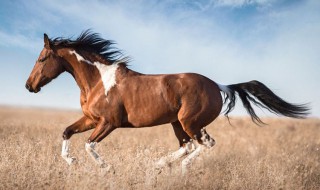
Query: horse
x=114 y=96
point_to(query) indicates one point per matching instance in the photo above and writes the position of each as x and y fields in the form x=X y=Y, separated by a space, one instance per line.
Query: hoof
x=72 y=160
x=69 y=160
x=107 y=167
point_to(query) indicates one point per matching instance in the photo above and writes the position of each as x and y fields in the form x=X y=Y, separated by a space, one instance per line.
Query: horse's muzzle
x=28 y=87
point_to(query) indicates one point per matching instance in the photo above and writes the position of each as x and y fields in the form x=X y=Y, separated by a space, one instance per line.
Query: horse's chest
x=85 y=110
x=86 y=107
x=92 y=112
x=96 y=107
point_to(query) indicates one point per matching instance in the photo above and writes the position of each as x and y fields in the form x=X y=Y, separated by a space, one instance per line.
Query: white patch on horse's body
x=108 y=75
x=79 y=57
x=225 y=89
x=65 y=152
x=107 y=72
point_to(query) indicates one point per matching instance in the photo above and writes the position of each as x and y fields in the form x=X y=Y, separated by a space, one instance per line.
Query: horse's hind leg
x=83 y=124
x=181 y=135
x=185 y=146
x=205 y=141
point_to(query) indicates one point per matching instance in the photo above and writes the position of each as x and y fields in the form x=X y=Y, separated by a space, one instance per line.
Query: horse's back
x=161 y=97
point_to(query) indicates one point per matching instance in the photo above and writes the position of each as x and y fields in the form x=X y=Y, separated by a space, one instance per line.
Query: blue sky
x=230 y=41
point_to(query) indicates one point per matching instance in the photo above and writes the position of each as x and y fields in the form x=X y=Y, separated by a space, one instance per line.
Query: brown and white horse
x=114 y=96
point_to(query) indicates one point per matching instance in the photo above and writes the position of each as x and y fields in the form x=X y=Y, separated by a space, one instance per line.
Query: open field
x=283 y=155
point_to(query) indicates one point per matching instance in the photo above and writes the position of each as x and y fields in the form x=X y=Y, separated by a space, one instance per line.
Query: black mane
x=92 y=42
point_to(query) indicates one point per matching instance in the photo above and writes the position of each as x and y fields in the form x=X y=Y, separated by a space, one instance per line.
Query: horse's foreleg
x=83 y=124
x=65 y=152
x=100 y=132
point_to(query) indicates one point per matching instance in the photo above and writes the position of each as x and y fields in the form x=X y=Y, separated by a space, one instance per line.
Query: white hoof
x=108 y=168
x=189 y=159
x=70 y=160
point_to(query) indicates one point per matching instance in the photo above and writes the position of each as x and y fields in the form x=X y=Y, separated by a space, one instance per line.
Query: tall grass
x=283 y=155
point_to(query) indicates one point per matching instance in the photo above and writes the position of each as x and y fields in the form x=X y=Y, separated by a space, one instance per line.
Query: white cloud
x=18 y=40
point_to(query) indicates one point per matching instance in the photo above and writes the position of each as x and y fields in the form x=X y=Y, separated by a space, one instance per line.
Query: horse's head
x=48 y=66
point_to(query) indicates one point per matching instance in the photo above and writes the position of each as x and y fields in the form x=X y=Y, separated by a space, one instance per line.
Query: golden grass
x=283 y=155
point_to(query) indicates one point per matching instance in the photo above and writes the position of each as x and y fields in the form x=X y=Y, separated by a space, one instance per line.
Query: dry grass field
x=282 y=155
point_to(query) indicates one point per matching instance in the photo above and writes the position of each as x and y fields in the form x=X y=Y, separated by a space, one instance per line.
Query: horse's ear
x=47 y=42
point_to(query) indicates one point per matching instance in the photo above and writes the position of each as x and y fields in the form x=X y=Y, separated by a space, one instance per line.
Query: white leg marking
x=65 y=152
x=190 y=146
x=96 y=157
x=166 y=160
x=207 y=142
x=206 y=139
x=188 y=160
x=171 y=157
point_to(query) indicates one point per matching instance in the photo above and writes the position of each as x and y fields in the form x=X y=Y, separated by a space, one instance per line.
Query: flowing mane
x=92 y=42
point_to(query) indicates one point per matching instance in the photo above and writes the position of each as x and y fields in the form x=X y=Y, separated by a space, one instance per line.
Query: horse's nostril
x=27 y=86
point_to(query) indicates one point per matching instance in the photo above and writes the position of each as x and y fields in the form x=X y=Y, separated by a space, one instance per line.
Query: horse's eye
x=42 y=59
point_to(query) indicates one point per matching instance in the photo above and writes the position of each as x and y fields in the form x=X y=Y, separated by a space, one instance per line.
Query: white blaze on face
x=107 y=72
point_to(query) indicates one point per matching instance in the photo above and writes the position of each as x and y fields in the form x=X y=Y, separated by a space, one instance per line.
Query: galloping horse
x=114 y=96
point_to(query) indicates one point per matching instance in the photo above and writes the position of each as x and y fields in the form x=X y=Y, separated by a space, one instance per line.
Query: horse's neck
x=89 y=73
x=86 y=75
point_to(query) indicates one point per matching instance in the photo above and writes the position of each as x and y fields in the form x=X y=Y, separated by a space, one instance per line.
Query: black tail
x=261 y=96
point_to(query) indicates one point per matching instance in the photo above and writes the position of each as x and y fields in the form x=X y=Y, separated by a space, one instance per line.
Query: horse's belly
x=151 y=117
